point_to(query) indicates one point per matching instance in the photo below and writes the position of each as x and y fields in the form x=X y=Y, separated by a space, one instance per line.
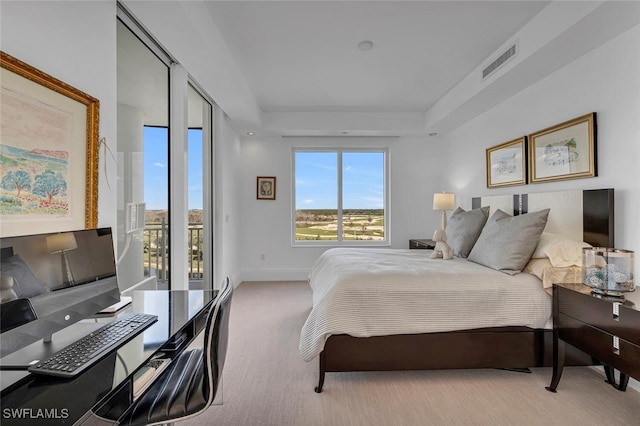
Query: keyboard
x=82 y=354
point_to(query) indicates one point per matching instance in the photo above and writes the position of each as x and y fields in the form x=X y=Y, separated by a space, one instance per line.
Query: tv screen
x=50 y=281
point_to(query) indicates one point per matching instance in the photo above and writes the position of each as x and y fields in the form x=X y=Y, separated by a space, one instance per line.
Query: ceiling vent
x=500 y=61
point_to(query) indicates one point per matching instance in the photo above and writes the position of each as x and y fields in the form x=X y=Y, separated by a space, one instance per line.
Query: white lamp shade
x=444 y=201
x=60 y=242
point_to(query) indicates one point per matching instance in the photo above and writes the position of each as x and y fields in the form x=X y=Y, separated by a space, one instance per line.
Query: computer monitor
x=50 y=281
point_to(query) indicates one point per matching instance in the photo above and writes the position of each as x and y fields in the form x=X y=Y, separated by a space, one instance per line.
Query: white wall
x=227 y=210
x=74 y=42
x=266 y=225
x=605 y=81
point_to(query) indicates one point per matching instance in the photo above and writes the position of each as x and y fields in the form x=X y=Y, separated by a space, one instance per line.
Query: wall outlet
x=262 y=256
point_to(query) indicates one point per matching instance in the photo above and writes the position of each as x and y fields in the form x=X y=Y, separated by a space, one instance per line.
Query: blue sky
x=316 y=176
x=317 y=180
x=156 y=168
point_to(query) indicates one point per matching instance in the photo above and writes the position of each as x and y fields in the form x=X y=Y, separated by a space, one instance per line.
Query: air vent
x=502 y=59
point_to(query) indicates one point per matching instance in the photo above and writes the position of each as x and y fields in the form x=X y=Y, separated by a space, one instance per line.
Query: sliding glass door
x=161 y=232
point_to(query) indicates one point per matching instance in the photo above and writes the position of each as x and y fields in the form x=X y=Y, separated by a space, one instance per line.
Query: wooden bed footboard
x=515 y=348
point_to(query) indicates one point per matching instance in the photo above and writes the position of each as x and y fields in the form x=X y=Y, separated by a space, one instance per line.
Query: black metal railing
x=156 y=250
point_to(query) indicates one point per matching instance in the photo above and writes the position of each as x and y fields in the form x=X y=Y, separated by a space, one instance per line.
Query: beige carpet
x=266 y=382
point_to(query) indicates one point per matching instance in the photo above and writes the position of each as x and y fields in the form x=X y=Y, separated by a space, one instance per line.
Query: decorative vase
x=608 y=271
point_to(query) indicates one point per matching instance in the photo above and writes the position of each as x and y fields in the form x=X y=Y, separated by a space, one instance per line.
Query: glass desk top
x=33 y=400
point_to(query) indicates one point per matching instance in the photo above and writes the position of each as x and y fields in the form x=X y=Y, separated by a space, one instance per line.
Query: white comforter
x=377 y=292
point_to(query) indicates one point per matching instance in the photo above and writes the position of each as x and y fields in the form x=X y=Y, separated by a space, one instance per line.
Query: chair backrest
x=216 y=338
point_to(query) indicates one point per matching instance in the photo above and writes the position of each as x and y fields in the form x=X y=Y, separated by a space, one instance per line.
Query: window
x=340 y=197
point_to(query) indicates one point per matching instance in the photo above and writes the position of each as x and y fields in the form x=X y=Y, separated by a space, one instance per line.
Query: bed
x=396 y=309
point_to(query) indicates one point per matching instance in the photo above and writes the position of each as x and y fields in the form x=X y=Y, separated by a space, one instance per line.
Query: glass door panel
x=143 y=163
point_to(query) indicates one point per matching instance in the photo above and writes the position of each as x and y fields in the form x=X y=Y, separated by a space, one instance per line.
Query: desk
x=105 y=388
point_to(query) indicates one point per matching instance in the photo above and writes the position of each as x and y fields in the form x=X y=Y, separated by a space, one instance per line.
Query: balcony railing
x=156 y=251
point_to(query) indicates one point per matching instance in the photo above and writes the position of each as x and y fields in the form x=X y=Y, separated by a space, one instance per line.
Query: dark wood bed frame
x=516 y=348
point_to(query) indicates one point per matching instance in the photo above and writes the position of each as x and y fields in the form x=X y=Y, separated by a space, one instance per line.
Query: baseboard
x=274 y=275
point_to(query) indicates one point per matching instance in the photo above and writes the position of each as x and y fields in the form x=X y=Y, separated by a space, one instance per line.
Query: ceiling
x=304 y=56
x=294 y=68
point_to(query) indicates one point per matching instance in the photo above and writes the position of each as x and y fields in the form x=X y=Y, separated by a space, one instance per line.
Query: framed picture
x=49 y=145
x=266 y=188
x=507 y=163
x=564 y=151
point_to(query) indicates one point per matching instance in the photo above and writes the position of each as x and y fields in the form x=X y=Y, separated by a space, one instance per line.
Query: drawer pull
x=616 y=345
x=616 y=311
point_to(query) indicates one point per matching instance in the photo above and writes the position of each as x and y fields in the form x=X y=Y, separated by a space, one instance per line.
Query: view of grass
x=322 y=224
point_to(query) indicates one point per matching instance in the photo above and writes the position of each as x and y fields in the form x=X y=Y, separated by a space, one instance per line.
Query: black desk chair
x=188 y=386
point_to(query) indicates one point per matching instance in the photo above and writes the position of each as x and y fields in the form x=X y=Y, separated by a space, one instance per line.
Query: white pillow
x=560 y=250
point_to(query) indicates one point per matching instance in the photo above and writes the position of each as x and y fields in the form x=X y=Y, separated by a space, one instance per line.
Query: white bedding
x=377 y=292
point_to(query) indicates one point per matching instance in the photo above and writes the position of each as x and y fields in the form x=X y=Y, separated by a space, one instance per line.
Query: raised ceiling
x=293 y=68
x=304 y=56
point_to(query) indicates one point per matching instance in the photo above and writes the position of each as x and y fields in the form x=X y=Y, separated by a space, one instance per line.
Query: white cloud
x=159 y=165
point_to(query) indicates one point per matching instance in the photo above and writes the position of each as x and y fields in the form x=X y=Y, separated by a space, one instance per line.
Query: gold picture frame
x=266 y=188
x=507 y=163
x=49 y=141
x=564 y=151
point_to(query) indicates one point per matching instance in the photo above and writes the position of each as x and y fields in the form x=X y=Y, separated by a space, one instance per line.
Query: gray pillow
x=25 y=284
x=508 y=242
x=463 y=229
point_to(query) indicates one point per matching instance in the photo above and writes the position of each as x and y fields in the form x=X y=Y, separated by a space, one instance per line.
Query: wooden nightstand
x=607 y=329
x=421 y=244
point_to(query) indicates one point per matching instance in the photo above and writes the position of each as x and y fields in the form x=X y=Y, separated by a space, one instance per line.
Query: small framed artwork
x=49 y=146
x=266 y=188
x=564 y=151
x=507 y=163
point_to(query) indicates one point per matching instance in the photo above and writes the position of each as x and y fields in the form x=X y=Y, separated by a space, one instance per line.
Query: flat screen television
x=50 y=281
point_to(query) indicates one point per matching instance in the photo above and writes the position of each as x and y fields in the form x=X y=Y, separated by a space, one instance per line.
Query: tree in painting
x=49 y=184
x=17 y=180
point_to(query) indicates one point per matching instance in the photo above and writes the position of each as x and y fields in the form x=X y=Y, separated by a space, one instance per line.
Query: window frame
x=386 y=242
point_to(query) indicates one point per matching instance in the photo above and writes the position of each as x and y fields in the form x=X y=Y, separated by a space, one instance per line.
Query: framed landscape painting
x=507 y=163
x=564 y=151
x=49 y=152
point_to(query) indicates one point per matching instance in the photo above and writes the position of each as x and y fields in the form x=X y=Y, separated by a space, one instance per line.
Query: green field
x=357 y=224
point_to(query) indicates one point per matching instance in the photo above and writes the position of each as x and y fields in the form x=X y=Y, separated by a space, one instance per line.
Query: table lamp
x=444 y=201
x=62 y=243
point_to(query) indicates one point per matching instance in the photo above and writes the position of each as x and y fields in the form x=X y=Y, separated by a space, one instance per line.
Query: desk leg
x=558 y=363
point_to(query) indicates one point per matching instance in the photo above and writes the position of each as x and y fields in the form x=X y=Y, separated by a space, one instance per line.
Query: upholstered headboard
x=582 y=214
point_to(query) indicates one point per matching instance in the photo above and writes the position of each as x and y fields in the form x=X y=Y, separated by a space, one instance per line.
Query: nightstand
x=605 y=328
x=421 y=244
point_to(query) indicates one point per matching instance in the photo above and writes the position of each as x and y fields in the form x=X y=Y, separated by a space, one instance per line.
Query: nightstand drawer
x=599 y=313
x=601 y=345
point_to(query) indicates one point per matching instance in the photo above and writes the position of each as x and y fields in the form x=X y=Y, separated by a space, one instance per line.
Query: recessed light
x=365 y=45
x=251 y=133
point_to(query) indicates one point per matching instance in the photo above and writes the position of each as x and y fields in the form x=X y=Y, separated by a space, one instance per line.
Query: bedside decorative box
x=608 y=270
